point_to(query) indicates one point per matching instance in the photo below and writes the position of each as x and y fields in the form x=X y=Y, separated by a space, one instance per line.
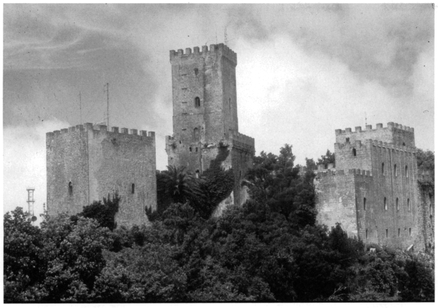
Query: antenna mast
x=30 y=200
x=225 y=36
x=80 y=108
x=107 y=104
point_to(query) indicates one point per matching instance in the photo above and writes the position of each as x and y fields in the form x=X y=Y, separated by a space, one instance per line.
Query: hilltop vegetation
x=269 y=249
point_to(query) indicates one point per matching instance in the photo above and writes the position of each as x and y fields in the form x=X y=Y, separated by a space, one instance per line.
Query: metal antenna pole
x=80 y=108
x=225 y=36
x=107 y=104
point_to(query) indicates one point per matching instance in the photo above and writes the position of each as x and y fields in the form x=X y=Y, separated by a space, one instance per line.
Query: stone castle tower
x=205 y=120
x=373 y=192
x=86 y=163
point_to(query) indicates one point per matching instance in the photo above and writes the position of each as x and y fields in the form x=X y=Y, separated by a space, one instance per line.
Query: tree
x=328 y=158
x=103 y=212
x=23 y=259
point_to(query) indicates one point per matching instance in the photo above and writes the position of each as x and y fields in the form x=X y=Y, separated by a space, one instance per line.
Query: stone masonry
x=373 y=192
x=86 y=163
x=205 y=114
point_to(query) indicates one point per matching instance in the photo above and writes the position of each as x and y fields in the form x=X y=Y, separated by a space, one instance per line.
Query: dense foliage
x=269 y=249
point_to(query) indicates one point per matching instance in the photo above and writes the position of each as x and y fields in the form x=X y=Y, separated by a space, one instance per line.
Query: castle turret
x=85 y=163
x=205 y=111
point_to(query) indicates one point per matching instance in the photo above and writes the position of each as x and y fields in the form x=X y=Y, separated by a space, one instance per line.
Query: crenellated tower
x=86 y=163
x=205 y=112
x=373 y=191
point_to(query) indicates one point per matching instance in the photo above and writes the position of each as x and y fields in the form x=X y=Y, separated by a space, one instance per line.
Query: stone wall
x=67 y=165
x=99 y=163
x=335 y=193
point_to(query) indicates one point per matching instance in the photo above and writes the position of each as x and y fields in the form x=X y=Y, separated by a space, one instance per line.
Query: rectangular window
x=364 y=204
x=366 y=233
x=386 y=233
x=410 y=231
x=398 y=233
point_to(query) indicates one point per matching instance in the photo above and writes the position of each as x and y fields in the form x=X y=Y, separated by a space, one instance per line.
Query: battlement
x=379 y=126
x=215 y=49
x=101 y=129
x=394 y=133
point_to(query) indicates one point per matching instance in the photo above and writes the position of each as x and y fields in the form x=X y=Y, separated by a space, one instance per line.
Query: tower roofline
x=205 y=51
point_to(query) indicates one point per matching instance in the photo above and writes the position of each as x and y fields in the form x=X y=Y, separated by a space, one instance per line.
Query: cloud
x=24 y=164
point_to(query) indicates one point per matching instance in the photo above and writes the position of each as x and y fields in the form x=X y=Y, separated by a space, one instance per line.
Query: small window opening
x=197 y=174
x=395 y=170
x=196 y=71
x=132 y=188
x=347 y=139
x=190 y=149
x=354 y=152
x=364 y=204
x=196 y=149
x=396 y=204
x=406 y=171
x=383 y=168
x=398 y=232
x=385 y=205
x=180 y=142
x=410 y=231
x=70 y=189
x=404 y=144
x=197 y=102
x=409 y=205
x=229 y=103
x=386 y=233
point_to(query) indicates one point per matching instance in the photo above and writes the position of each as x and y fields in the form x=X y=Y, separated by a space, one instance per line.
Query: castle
x=373 y=191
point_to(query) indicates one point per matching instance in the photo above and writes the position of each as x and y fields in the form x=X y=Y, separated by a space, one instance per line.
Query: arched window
x=385 y=205
x=354 y=152
x=395 y=169
x=132 y=188
x=396 y=204
x=383 y=168
x=197 y=102
x=70 y=189
x=364 y=204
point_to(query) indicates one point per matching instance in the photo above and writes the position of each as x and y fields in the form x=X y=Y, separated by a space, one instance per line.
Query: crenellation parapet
x=215 y=49
x=101 y=129
x=379 y=126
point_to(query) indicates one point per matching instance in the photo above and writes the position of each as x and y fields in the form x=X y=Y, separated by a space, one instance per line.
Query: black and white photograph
x=218 y=153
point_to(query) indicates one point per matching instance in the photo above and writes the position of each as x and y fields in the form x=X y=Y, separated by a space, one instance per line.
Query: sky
x=303 y=71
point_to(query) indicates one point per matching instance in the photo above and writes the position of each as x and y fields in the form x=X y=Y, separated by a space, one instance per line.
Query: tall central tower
x=205 y=112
